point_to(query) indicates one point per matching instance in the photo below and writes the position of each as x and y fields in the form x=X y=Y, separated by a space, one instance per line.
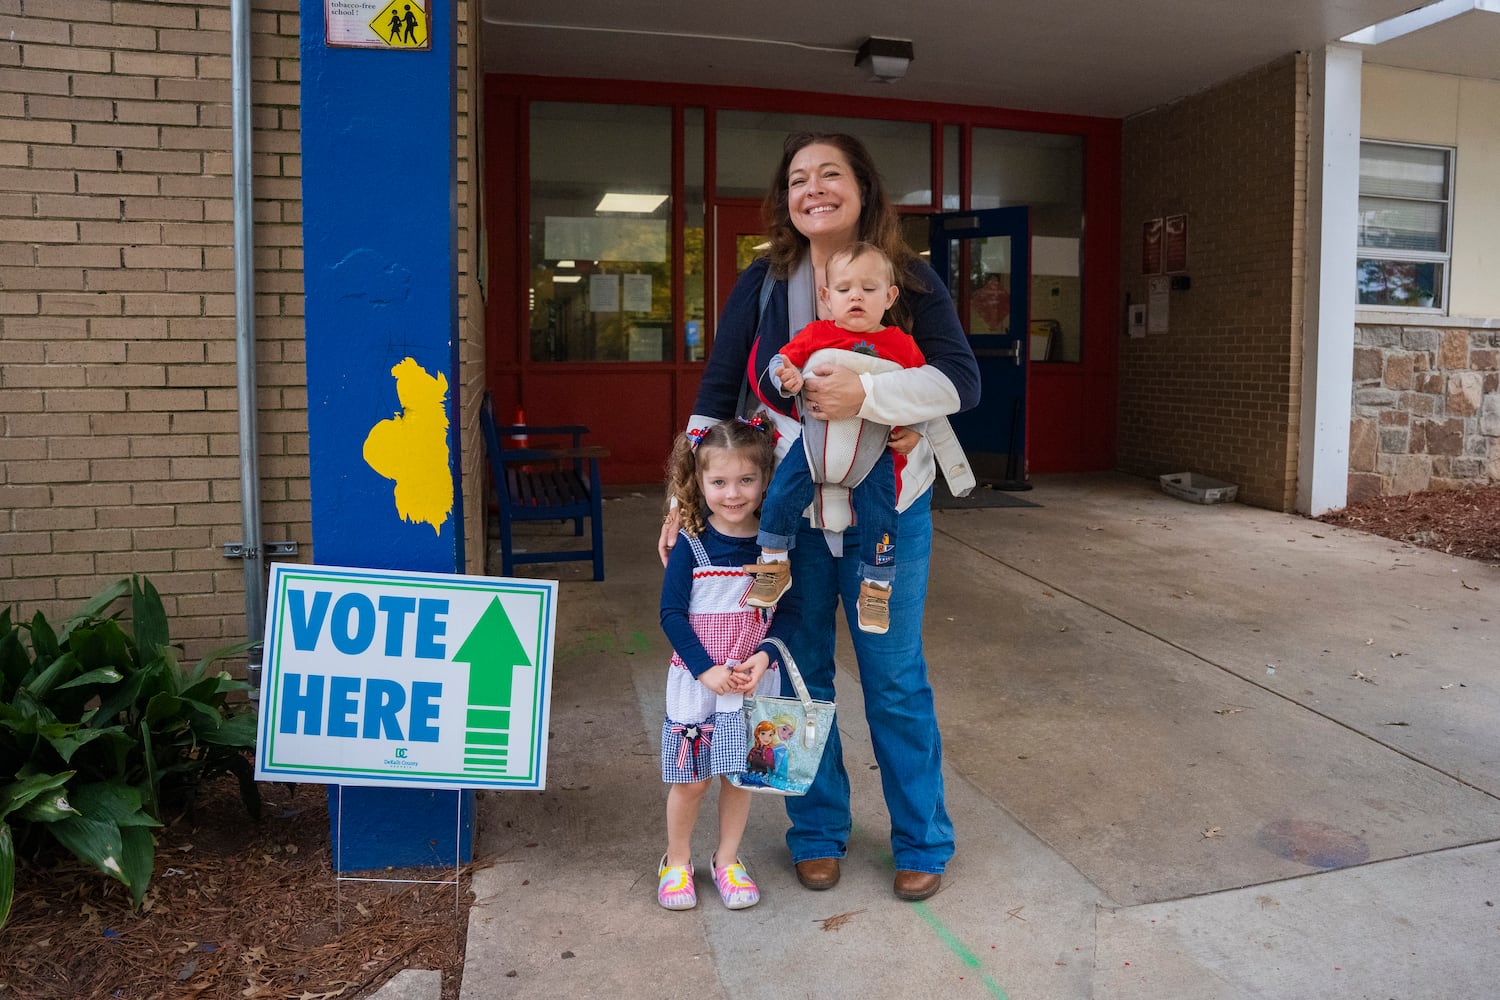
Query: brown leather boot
x=917 y=885
x=818 y=873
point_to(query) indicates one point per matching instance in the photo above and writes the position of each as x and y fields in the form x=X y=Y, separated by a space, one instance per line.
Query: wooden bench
x=544 y=484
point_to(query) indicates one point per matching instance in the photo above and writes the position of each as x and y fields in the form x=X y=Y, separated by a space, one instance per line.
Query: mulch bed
x=236 y=909
x=1459 y=522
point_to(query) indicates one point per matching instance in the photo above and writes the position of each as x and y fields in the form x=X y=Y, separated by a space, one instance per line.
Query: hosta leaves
x=60 y=669
x=43 y=640
x=95 y=841
x=148 y=619
x=14 y=663
x=104 y=675
x=47 y=809
x=68 y=744
x=7 y=871
x=95 y=718
x=120 y=804
x=137 y=857
x=222 y=654
x=236 y=731
x=102 y=644
x=18 y=793
x=94 y=607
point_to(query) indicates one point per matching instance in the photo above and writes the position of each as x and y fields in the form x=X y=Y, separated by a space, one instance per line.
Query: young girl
x=716 y=478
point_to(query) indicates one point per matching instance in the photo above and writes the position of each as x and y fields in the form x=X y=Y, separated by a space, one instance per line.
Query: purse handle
x=809 y=707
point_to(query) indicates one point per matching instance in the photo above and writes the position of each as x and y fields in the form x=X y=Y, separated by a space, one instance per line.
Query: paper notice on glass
x=1157 y=310
x=637 y=292
x=604 y=293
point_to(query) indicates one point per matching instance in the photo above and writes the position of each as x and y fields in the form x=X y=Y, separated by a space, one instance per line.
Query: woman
x=824 y=195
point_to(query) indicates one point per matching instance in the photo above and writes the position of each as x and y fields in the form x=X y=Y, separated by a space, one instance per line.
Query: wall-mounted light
x=886 y=59
x=643 y=204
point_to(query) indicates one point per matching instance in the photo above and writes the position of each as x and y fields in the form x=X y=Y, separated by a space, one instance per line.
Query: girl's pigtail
x=682 y=484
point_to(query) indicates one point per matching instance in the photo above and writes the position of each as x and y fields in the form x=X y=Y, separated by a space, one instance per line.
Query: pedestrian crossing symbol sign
x=403 y=24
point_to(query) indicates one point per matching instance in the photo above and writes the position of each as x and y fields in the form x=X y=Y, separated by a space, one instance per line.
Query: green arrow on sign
x=492 y=651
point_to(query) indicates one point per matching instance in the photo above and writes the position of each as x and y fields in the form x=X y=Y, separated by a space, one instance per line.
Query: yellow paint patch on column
x=411 y=448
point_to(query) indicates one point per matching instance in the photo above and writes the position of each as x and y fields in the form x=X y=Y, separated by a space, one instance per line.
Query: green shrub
x=98 y=726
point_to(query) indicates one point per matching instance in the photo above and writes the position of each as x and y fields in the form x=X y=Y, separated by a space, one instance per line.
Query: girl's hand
x=748 y=674
x=719 y=679
x=833 y=392
x=670 y=525
x=903 y=440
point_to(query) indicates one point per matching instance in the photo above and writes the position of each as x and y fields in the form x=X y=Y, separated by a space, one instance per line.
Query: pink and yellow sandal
x=736 y=888
x=674 y=886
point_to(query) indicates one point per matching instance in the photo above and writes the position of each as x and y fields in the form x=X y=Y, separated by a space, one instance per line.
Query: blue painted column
x=380 y=247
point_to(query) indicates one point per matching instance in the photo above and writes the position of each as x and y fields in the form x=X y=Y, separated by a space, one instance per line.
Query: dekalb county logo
x=399 y=759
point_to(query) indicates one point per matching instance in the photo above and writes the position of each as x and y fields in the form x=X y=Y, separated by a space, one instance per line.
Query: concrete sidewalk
x=1191 y=752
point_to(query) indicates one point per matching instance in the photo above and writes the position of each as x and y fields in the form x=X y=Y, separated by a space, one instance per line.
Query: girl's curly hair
x=683 y=483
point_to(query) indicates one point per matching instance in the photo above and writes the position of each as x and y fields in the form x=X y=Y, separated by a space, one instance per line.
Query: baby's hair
x=852 y=253
x=683 y=484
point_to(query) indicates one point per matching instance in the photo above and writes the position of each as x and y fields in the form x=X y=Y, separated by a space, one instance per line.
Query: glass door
x=984 y=257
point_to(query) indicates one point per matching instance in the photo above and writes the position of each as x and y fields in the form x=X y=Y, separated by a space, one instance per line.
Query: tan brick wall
x=118 y=413
x=1218 y=393
x=470 y=297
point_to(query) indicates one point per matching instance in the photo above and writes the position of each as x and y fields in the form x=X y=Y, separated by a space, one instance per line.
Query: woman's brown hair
x=878 y=222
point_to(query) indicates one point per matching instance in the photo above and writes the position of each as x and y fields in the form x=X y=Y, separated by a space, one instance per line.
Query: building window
x=601 y=232
x=1044 y=172
x=1405 y=225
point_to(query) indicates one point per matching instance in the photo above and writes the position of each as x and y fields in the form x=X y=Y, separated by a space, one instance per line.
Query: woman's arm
x=734 y=336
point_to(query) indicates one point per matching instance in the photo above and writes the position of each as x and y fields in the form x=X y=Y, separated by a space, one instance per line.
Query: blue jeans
x=874 y=499
x=898 y=701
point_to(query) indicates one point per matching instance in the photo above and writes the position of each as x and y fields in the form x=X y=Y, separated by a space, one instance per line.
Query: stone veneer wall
x=1426 y=411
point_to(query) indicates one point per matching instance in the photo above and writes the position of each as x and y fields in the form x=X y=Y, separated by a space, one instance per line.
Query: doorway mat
x=981 y=497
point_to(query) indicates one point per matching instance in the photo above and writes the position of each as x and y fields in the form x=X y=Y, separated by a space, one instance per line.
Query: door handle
x=1013 y=352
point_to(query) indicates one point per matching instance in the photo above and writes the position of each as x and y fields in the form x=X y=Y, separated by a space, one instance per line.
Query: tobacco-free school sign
x=380 y=677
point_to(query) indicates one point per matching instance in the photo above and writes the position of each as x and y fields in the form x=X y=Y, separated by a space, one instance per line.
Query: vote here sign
x=389 y=677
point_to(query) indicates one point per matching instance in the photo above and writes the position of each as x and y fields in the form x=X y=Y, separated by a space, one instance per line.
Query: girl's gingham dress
x=697 y=740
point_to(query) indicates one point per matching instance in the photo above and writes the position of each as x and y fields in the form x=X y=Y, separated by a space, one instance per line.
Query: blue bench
x=544 y=484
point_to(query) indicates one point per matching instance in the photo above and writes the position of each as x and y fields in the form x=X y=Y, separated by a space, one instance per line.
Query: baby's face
x=859 y=292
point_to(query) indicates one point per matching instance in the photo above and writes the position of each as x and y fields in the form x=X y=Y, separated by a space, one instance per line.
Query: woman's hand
x=719 y=679
x=749 y=673
x=833 y=392
x=903 y=440
x=670 y=525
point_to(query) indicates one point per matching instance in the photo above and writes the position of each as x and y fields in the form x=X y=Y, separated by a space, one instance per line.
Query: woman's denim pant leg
x=898 y=702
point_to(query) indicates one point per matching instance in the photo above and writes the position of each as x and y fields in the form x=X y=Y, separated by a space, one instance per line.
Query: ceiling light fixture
x=641 y=203
x=886 y=59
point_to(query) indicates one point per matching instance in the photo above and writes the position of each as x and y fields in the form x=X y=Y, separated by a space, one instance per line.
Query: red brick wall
x=1218 y=393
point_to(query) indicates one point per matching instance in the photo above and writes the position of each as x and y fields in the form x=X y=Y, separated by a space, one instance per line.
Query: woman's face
x=823 y=195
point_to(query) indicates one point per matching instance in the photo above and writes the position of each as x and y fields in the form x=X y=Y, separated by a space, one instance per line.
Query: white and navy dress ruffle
x=703 y=734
